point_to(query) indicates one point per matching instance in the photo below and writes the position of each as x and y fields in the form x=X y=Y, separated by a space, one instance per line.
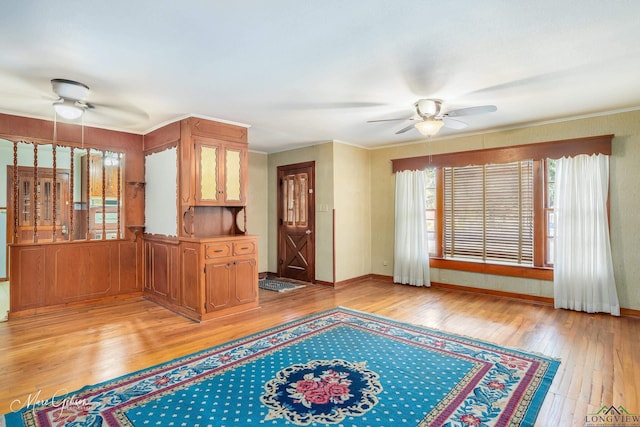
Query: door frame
x=311 y=210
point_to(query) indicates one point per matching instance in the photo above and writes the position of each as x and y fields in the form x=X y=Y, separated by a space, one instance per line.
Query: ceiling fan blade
x=332 y=105
x=107 y=114
x=480 y=109
x=405 y=129
x=390 y=120
x=453 y=123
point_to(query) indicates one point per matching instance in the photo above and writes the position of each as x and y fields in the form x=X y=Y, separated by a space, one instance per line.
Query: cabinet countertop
x=219 y=238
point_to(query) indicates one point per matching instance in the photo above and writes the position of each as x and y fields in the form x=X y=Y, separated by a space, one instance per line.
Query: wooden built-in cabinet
x=220 y=177
x=211 y=268
x=203 y=278
x=213 y=170
x=230 y=273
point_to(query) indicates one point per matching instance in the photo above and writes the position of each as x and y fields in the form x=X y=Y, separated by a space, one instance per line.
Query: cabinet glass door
x=208 y=164
x=232 y=175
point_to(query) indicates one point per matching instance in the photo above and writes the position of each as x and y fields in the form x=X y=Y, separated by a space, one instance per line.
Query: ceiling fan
x=72 y=103
x=432 y=118
x=35 y=96
x=72 y=98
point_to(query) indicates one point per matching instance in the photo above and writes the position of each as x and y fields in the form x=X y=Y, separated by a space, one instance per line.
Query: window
x=549 y=217
x=492 y=210
x=488 y=212
x=430 y=201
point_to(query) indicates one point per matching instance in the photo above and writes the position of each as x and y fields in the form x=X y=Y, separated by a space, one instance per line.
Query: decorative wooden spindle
x=36 y=211
x=71 y=193
x=54 y=192
x=16 y=213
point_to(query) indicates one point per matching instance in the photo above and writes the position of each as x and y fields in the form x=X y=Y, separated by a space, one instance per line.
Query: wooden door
x=296 y=221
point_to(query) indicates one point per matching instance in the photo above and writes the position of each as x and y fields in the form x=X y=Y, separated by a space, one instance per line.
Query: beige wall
x=624 y=200
x=322 y=154
x=342 y=184
x=352 y=201
x=257 y=220
x=359 y=185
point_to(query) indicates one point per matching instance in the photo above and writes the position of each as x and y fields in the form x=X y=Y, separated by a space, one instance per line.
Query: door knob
x=308 y=232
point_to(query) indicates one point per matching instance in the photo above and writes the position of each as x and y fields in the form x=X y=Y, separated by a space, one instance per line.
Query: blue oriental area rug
x=340 y=367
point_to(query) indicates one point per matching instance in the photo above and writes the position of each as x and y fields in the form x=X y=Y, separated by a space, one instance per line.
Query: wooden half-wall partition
x=50 y=276
x=46 y=276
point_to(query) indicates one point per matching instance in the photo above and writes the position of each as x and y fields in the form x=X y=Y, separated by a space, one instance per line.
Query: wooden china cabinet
x=211 y=268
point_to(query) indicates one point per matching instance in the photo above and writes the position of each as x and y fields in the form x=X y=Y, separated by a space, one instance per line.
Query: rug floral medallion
x=340 y=367
x=321 y=391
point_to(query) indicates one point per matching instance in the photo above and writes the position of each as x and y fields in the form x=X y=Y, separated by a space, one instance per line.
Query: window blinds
x=488 y=212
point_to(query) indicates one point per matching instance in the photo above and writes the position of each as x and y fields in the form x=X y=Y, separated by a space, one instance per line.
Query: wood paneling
x=28 y=278
x=210 y=221
x=129 y=267
x=17 y=128
x=218 y=130
x=162 y=138
x=53 y=275
x=599 y=354
x=190 y=272
x=81 y=272
x=161 y=267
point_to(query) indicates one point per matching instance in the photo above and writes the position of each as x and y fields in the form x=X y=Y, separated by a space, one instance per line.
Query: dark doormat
x=277 y=285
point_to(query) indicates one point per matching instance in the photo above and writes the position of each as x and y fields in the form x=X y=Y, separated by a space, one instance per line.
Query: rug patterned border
x=478 y=397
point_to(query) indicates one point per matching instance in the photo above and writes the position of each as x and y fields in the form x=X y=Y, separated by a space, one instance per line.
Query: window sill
x=539 y=273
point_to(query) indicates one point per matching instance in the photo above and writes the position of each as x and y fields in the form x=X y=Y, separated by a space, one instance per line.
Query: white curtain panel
x=411 y=255
x=583 y=268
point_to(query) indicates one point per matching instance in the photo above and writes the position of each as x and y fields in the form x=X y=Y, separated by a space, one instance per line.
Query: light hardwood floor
x=60 y=352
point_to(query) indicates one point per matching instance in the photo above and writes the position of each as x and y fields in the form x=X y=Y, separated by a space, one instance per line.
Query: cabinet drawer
x=217 y=250
x=244 y=248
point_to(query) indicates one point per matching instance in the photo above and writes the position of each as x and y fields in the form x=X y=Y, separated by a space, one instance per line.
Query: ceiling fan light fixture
x=429 y=127
x=68 y=109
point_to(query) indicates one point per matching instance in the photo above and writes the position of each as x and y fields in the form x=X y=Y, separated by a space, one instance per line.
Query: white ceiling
x=301 y=72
